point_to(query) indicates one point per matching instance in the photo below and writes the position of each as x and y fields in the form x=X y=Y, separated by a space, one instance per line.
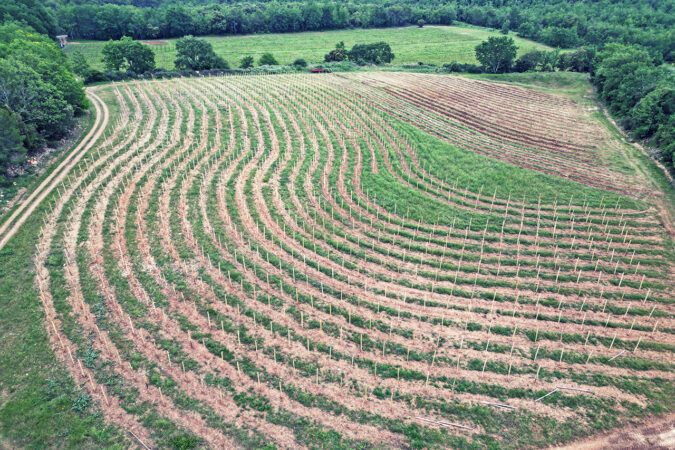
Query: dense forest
x=39 y=95
x=559 y=23
x=627 y=46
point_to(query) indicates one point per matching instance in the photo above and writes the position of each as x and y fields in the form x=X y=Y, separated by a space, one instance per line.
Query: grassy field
x=570 y=84
x=431 y=45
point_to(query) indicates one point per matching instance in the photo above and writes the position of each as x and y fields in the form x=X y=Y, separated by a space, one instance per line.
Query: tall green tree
x=639 y=93
x=44 y=57
x=664 y=139
x=178 y=21
x=39 y=95
x=12 y=150
x=33 y=13
x=197 y=54
x=140 y=58
x=560 y=37
x=496 y=55
x=44 y=112
x=79 y=64
x=113 y=55
x=623 y=75
x=561 y=23
x=654 y=110
x=128 y=54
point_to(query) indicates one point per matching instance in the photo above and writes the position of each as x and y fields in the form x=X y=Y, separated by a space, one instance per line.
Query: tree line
x=39 y=95
x=640 y=92
x=558 y=23
x=127 y=58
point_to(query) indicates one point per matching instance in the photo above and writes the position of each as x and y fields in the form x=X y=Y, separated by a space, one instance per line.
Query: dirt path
x=660 y=202
x=658 y=434
x=26 y=208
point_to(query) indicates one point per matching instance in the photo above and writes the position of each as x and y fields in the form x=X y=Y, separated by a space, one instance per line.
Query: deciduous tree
x=377 y=53
x=12 y=150
x=128 y=54
x=197 y=54
x=112 y=55
x=496 y=54
x=79 y=64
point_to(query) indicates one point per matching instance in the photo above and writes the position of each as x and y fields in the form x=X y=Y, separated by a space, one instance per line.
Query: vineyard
x=362 y=260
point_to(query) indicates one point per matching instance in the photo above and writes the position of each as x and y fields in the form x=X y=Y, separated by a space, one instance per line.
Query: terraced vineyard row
x=269 y=260
x=543 y=132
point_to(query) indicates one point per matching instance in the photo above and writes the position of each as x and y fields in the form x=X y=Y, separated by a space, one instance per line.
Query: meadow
x=430 y=45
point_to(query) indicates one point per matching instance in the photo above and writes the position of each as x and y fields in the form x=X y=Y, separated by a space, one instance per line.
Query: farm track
x=11 y=225
x=235 y=270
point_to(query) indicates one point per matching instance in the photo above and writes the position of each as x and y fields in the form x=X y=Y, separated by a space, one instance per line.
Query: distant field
x=431 y=44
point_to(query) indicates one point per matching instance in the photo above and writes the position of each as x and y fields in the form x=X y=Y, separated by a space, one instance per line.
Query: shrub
x=79 y=64
x=246 y=62
x=377 y=53
x=580 y=60
x=462 y=68
x=95 y=76
x=12 y=150
x=267 y=59
x=536 y=60
x=183 y=442
x=81 y=403
x=337 y=54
